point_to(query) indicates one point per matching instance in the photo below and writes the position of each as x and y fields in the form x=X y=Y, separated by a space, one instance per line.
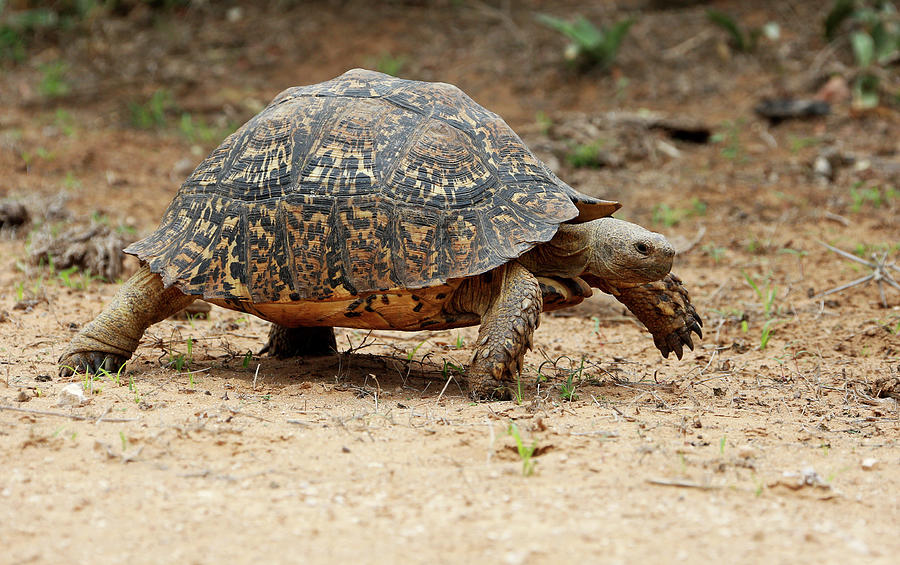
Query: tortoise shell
x=364 y=183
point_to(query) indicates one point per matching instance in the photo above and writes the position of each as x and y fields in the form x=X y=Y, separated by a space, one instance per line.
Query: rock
x=869 y=464
x=23 y=396
x=72 y=395
x=822 y=168
x=746 y=452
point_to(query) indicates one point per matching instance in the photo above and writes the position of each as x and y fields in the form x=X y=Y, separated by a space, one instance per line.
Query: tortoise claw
x=91 y=362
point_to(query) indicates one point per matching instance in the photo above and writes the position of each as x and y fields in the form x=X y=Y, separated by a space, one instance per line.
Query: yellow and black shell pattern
x=362 y=183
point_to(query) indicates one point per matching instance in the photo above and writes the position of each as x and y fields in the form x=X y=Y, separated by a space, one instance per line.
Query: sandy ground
x=775 y=441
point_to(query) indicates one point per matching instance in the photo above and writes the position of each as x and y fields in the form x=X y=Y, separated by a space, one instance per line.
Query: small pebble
x=869 y=464
x=72 y=395
x=23 y=396
x=746 y=452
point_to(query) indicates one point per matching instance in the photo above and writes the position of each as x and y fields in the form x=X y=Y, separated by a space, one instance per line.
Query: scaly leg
x=300 y=342
x=665 y=308
x=507 y=324
x=110 y=340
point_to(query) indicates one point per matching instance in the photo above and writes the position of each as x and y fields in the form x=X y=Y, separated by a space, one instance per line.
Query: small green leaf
x=863 y=48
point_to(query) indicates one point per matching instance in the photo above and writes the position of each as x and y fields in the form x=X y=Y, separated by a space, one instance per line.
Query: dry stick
x=446 y=384
x=237 y=412
x=100 y=419
x=683 y=48
x=679 y=483
x=837 y=218
x=64 y=415
x=256 y=374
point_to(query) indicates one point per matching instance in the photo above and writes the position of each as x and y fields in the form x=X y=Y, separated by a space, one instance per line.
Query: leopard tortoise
x=369 y=201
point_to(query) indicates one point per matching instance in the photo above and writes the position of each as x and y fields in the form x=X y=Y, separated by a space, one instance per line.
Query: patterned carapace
x=359 y=184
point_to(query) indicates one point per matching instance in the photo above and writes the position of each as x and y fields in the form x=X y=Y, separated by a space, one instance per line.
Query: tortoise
x=369 y=201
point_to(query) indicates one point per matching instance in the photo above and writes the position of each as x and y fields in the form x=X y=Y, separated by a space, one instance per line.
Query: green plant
x=875 y=196
x=543 y=121
x=744 y=40
x=247 y=358
x=12 y=46
x=180 y=361
x=766 y=295
x=460 y=341
x=200 y=131
x=449 y=367
x=64 y=121
x=17 y=27
x=874 y=39
x=525 y=453
x=133 y=388
x=797 y=143
x=114 y=377
x=567 y=389
x=668 y=216
x=731 y=138
x=53 y=80
x=410 y=354
x=766 y=333
x=589 y=46
x=714 y=253
x=389 y=64
x=585 y=155
x=154 y=112
x=722 y=445
x=596 y=329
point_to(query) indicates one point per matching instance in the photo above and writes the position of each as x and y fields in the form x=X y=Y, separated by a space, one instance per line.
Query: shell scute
x=364 y=183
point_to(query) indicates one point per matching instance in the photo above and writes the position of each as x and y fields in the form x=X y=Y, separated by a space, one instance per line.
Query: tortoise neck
x=566 y=255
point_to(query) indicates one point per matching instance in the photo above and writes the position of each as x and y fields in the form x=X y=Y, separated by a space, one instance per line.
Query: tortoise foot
x=494 y=381
x=665 y=308
x=91 y=362
x=489 y=388
x=505 y=335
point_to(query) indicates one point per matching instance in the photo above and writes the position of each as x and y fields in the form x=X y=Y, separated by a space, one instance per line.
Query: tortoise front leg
x=300 y=342
x=511 y=315
x=111 y=338
x=665 y=307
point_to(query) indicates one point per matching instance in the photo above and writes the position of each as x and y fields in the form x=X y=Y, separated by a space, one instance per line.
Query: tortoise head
x=625 y=253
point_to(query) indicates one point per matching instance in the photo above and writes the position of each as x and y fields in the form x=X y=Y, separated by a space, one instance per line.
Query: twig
x=237 y=412
x=64 y=415
x=256 y=374
x=683 y=48
x=606 y=434
x=681 y=483
x=446 y=384
x=100 y=419
x=837 y=218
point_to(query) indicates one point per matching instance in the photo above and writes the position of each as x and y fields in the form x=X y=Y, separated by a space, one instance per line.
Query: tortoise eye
x=642 y=248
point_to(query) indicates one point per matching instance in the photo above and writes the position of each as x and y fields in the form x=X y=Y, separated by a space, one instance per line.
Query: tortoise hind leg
x=300 y=342
x=111 y=338
x=507 y=324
